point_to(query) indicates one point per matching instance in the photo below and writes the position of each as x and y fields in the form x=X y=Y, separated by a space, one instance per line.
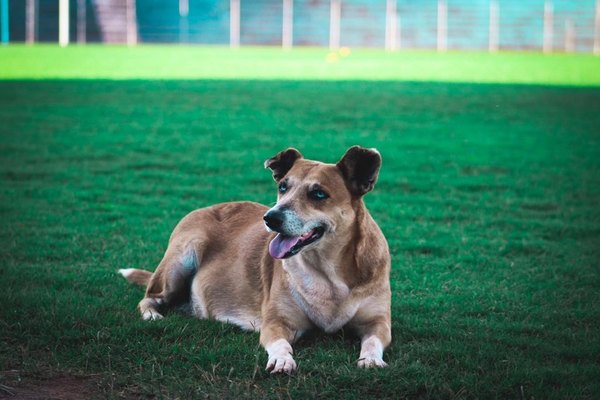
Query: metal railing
x=544 y=25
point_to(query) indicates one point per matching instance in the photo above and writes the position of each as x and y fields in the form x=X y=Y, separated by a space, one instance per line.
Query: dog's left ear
x=360 y=168
x=282 y=162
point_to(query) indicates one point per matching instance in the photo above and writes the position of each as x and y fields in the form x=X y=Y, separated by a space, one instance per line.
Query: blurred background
x=549 y=25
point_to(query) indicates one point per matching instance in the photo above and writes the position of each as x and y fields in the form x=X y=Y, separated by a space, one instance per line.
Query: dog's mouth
x=283 y=246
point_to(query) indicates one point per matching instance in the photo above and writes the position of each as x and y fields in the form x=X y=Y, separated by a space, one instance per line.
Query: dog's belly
x=224 y=311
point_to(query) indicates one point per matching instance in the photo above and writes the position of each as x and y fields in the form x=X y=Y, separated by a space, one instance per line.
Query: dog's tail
x=137 y=276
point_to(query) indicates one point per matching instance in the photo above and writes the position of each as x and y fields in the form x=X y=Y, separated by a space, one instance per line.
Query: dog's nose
x=274 y=219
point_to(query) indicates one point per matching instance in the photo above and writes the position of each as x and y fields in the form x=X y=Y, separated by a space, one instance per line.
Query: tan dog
x=327 y=264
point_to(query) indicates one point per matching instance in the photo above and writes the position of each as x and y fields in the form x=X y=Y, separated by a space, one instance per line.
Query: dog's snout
x=274 y=219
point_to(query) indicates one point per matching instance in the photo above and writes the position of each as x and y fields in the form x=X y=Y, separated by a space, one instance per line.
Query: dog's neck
x=316 y=277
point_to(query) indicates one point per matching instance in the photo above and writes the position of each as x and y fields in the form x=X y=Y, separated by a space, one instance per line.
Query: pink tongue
x=281 y=245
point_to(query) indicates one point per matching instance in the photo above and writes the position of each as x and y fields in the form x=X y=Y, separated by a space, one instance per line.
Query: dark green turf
x=489 y=196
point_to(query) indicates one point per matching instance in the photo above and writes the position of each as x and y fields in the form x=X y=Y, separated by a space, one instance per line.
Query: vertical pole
x=184 y=27
x=334 y=24
x=63 y=23
x=234 y=23
x=131 y=23
x=569 y=36
x=597 y=29
x=81 y=22
x=30 y=21
x=548 y=26
x=494 y=26
x=391 y=25
x=287 y=38
x=442 y=26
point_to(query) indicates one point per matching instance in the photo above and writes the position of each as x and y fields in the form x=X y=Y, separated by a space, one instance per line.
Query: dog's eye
x=317 y=194
x=283 y=187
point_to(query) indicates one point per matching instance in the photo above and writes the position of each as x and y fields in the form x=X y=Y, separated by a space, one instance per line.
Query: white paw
x=151 y=315
x=371 y=362
x=281 y=364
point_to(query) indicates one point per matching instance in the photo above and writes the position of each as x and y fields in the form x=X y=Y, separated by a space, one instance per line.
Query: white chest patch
x=321 y=294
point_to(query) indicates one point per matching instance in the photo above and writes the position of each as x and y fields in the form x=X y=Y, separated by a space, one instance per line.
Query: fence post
x=30 y=21
x=548 y=26
x=63 y=23
x=442 y=25
x=597 y=29
x=494 y=26
x=287 y=29
x=234 y=23
x=391 y=25
x=81 y=22
x=131 y=23
x=334 y=24
x=184 y=27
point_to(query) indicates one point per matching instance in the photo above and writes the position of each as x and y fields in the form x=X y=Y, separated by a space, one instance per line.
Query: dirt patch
x=57 y=388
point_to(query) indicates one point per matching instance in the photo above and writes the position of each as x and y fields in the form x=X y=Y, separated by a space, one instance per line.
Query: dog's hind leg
x=170 y=283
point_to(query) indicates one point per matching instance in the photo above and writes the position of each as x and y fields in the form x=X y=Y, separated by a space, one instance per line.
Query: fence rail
x=546 y=25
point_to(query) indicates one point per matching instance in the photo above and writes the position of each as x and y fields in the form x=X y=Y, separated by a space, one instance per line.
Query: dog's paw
x=371 y=362
x=151 y=315
x=282 y=364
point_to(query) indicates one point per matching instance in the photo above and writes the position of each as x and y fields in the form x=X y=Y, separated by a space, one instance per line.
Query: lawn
x=488 y=196
x=268 y=63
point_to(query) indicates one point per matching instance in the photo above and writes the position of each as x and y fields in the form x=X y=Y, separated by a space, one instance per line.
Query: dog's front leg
x=276 y=338
x=375 y=337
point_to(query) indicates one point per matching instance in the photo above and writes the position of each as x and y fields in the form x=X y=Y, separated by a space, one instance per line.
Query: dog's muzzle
x=286 y=244
x=274 y=220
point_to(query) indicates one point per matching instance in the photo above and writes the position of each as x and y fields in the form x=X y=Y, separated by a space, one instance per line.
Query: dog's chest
x=321 y=294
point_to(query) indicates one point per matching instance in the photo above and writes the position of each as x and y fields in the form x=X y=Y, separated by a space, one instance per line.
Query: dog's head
x=317 y=201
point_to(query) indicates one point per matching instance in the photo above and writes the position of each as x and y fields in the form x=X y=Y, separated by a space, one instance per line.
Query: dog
x=322 y=261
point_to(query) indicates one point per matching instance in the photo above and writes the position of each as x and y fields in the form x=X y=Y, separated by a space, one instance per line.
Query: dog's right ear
x=282 y=162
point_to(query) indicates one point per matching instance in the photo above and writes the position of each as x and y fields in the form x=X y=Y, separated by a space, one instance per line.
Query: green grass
x=488 y=197
x=187 y=62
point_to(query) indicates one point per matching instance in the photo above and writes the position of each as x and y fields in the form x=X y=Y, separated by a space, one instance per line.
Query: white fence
x=493 y=25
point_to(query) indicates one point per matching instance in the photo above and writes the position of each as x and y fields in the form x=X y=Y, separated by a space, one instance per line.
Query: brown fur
x=218 y=259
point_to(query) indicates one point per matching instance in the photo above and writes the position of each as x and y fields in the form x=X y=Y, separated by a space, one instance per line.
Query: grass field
x=185 y=62
x=488 y=196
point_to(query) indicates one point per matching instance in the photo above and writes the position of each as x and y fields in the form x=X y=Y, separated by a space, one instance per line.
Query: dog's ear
x=281 y=163
x=360 y=168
